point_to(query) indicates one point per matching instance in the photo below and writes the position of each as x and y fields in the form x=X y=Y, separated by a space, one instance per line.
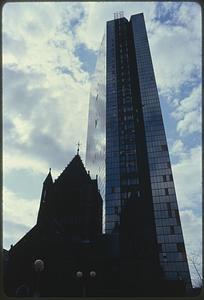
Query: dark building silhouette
x=71 y=203
x=68 y=239
x=127 y=148
x=69 y=224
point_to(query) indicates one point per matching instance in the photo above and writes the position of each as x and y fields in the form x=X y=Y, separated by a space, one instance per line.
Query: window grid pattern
x=126 y=115
x=112 y=197
x=169 y=232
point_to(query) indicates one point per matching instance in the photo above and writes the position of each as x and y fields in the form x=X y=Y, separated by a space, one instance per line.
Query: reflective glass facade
x=96 y=135
x=136 y=151
x=113 y=200
x=171 y=247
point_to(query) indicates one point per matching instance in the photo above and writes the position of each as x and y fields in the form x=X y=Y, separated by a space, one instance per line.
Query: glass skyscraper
x=127 y=147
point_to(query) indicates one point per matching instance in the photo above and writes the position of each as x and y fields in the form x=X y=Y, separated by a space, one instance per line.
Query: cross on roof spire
x=78 y=148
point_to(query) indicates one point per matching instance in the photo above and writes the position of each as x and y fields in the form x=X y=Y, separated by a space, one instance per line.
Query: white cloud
x=188 y=113
x=190 y=123
x=188 y=104
x=18 y=211
x=177 y=148
x=39 y=99
x=192 y=228
x=48 y=101
x=190 y=15
x=176 y=60
x=171 y=76
x=41 y=106
x=176 y=47
x=187 y=177
x=98 y=13
x=22 y=128
x=16 y=160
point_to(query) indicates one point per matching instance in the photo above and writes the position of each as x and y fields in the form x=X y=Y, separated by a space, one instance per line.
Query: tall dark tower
x=140 y=197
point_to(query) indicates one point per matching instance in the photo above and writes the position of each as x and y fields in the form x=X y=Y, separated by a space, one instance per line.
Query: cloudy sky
x=49 y=55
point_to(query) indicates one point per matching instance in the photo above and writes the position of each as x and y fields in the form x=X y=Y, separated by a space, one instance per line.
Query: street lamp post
x=80 y=275
x=39 y=267
x=92 y=274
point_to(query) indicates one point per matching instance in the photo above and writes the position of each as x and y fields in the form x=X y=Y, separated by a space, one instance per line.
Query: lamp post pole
x=80 y=275
x=84 y=289
x=39 y=267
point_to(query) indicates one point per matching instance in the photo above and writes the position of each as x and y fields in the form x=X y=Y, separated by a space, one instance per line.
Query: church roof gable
x=75 y=171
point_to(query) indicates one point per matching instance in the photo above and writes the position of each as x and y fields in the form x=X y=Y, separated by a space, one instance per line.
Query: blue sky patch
x=64 y=70
x=167 y=15
x=87 y=57
x=24 y=183
x=76 y=21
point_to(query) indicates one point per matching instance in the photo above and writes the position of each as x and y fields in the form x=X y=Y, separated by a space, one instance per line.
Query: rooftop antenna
x=121 y=14
x=118 y=15
x=78 y=148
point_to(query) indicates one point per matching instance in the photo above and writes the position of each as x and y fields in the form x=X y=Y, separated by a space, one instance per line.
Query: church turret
x=47 y=184
x=48 y=180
